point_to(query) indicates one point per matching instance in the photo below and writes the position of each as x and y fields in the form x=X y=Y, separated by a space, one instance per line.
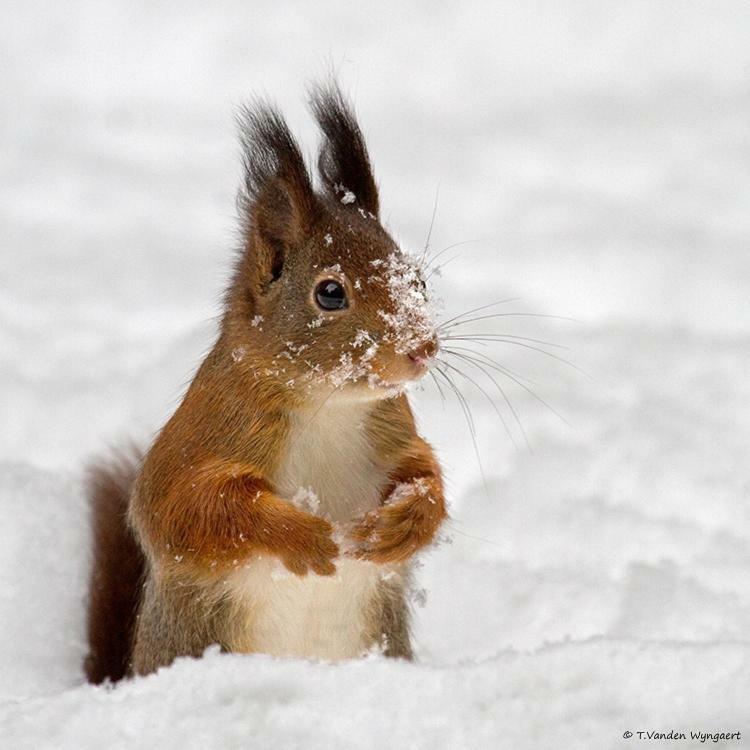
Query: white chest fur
x=328 y=466
x=329 y=457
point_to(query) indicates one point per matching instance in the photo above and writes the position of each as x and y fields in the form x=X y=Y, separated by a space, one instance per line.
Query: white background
x=598 y=153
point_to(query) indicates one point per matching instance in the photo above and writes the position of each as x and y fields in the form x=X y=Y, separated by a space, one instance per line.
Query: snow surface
x=599 y=154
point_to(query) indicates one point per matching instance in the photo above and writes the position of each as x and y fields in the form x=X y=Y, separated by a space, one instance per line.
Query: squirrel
x=279 y=509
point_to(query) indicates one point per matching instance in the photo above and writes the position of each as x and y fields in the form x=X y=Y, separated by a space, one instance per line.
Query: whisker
x=518 y=315
x=435 y=269
x=450 y=522
x=475 y=363
x=503 y=336
x=432 y=224
x=461 y=399
x=437 y=383
x=512 y=376
x=481 y=307
x=487 y=396
x=479 y=339
x=470 y=422
x=490 y=361
x=431 y=261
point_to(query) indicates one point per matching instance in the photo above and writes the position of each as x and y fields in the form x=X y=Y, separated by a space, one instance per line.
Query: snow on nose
x=411 y=324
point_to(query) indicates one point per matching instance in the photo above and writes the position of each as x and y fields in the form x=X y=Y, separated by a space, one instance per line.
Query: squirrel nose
x=424 y=352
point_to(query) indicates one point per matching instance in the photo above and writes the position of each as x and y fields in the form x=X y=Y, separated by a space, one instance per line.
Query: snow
x=411 y=322
x=596 y=153
x=306 y=499
x=551 y=698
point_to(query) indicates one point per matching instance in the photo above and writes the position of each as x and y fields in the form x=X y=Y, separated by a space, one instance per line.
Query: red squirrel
x=279 y=509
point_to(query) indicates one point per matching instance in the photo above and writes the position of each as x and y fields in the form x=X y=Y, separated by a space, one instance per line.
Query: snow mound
x=570 y=695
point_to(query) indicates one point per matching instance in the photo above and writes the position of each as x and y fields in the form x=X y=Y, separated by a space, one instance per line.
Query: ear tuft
x=344 y=163
x=278 y=204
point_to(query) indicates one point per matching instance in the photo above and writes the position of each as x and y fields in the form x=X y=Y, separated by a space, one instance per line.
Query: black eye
x=330 y=295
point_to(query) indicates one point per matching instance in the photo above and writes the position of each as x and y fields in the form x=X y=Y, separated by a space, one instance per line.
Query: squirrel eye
x=330 y=295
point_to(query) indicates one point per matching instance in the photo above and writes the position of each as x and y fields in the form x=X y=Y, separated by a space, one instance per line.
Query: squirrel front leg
x=224 y=512
x=412 y=509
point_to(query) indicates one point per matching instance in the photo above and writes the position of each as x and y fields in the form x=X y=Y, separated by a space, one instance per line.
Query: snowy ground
x=600 y=154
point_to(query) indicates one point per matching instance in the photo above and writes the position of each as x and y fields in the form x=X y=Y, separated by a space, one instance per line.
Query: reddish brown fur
x=205 y=501
x=223 y=511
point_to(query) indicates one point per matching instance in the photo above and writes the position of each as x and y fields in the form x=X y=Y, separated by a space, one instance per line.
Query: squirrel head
x=322 y=298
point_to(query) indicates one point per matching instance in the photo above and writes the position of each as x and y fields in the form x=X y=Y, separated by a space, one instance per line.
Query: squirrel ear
x=343 y=162
x=278 y=204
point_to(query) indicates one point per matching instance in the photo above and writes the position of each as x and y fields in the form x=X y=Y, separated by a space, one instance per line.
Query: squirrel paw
x=389 y=534
x=406 y=522
x=311 y=548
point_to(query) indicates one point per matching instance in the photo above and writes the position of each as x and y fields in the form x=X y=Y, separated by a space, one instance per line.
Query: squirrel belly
x=316 y=617
x=330 y=469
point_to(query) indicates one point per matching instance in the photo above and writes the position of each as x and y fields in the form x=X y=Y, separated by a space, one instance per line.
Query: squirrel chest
x=327 y=467
x=328 y=464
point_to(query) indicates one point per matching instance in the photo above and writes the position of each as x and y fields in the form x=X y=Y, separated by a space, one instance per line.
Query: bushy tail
x=118 y=568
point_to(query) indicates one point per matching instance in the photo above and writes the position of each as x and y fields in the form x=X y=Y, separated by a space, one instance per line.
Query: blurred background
x=594 y=157
x=598 y=152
